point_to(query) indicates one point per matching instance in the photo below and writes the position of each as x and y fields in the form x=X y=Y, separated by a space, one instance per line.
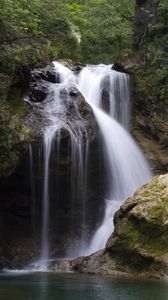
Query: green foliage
x=33 y=32
x=105 y=28
x=158 y=50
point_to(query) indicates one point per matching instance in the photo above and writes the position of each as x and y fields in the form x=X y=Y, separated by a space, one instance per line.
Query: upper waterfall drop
x=108 y=90
x=126 y=166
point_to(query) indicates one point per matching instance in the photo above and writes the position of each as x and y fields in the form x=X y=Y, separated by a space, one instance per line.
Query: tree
x=105 y=27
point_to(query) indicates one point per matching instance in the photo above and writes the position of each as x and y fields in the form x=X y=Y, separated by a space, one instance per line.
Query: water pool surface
x=51 y=286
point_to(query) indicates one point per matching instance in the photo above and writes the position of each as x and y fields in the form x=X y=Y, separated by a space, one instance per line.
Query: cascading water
x=32 y=188
x=107 y=92
x=48 y=137
x=126 y=167
x=55 y=109
x=95 y=80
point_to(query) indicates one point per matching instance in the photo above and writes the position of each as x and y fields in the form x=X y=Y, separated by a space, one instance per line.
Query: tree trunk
x=145 y=13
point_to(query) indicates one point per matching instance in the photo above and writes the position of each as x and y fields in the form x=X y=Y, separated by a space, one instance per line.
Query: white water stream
x=126 y=166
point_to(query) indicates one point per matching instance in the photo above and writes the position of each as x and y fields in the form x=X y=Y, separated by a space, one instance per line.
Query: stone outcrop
x=139 y=244
x=119 y=68
x=42 y=90
x=47 y=74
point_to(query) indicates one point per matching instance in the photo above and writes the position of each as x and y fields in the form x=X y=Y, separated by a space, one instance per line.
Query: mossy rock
x=141 y=225
x=14 y=139
x=138 y=246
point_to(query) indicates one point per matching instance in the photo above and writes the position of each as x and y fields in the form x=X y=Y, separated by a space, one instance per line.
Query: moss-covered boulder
x=139 y=243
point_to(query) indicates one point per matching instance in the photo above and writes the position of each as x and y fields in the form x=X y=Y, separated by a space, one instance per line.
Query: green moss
x=141 y=234
x=15 y=99
x=14 y=139
x=131 y=234
x=143 y=240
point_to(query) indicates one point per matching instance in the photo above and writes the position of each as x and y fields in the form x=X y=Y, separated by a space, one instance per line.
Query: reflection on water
x=50 y=286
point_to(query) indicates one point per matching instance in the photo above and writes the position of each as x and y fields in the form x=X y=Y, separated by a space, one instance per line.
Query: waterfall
x=107 y=92
x=32 y=189
x=126 y=167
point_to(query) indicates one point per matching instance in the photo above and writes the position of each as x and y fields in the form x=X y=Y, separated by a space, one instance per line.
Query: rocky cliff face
x=21 y=195
x=139 y=244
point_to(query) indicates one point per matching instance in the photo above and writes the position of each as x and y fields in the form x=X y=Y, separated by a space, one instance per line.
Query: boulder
x=138 y=246
x=47 y=74
x=119 y=68
x=40 y=80
x=39 y=91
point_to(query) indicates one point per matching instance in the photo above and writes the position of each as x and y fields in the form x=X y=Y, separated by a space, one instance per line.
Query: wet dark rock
x=40 y=81
x=119 y=68
x=75 y=109
x=39 y=91
x=63 y=94
x=73 y=91
x=48 y=74
x=17 y=247
x=78 y=67
x=62 y=265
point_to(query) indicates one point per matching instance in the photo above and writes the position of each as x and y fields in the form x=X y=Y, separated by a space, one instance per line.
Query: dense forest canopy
x=105 y=28
x=33 y=31
x=89 y=30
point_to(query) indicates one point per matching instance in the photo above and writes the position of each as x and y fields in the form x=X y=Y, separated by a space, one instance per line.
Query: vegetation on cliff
x=151 y=73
